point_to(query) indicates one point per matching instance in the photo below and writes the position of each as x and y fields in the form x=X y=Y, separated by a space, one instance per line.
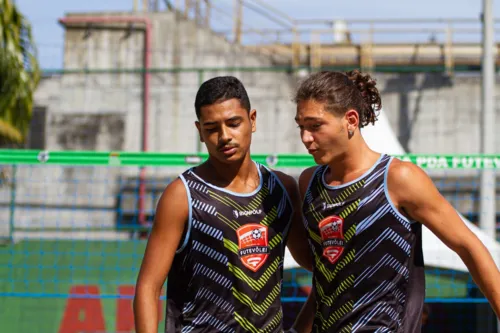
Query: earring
x=351 y=132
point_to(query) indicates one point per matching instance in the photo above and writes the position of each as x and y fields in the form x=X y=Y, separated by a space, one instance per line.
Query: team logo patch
x=332 y=237
x=253 y=248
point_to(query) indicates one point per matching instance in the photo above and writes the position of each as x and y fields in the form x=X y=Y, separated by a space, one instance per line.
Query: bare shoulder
x=288 y=181
x=407 y=181
x=404 y=172
x=173 y=203
x=174 y=190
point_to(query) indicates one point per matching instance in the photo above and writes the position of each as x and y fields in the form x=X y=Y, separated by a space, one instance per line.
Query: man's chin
x=320 y=160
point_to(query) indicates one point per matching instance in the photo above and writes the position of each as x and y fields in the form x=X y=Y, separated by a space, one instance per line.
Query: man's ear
x=253 y=119
x=198 y=126
x=352 y=120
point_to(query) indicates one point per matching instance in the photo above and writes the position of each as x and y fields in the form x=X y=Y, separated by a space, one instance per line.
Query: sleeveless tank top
x=227 y=274
x=369 y=269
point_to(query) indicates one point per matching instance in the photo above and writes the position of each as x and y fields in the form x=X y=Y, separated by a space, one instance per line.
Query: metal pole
x=238 y=18
x=12 y=207
x=487 y=217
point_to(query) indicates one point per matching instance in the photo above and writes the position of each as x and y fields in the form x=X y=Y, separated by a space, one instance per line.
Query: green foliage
x=19 y=73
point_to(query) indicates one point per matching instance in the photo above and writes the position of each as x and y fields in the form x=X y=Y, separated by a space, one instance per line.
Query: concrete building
x=100 y=101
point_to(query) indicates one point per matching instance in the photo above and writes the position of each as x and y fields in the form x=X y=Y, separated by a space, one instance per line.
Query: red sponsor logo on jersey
x=332 y=237
x=253 y=248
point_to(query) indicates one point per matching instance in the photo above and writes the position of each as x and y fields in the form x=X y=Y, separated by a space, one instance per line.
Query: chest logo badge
x=253 y=246
x=332 y=237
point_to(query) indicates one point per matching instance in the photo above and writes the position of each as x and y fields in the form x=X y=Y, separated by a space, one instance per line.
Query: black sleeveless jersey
x=227 y=274
x=369 y=270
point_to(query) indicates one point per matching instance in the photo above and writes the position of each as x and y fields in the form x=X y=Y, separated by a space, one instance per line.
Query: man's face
x=322 y=133
x=226 y=129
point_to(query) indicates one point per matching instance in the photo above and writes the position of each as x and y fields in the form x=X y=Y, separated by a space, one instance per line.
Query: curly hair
x=342 y=92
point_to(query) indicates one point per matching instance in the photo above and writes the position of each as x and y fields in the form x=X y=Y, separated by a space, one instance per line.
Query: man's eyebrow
x=208 y=123
x=235 y=118
x=308 y=119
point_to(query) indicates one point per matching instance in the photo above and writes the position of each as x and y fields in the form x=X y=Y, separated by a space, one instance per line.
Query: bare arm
x=170 y=219
x=297 y=241
x=305 y=319
x=414 y=194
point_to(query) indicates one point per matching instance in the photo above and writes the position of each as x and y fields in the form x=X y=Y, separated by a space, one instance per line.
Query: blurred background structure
x=108 y=131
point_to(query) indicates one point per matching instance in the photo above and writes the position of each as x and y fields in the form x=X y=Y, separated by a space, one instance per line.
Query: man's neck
x=352 y=164
x=241 y=176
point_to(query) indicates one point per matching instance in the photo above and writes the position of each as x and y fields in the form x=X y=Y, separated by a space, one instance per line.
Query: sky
x=49 y=35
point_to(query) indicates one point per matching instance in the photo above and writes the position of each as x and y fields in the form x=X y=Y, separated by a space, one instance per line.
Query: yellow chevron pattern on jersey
x=270 y=217
x=231 y=246
x=259 y=198
x=350 y=233
x=343 y=195
x=225 y=200
x=231 y=223
x=275 y=241
x=346 y=329
x=249 y=327
x=348 y=191
x=259 y=309
x=315 y=236
x=329 y=299
x=349 y=299
x=346 y=260
x=249 y=301
x=317 y=216
x=324 y=195
x=326 y=272
x=339 y=313
x=349 y=209
x=254 y=204
x=256 y=285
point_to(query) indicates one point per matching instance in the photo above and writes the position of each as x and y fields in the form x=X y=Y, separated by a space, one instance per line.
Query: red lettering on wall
x=306 y=289
x=83 y=314
x=124 y=312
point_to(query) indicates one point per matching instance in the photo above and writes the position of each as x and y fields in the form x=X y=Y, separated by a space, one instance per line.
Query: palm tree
x=19 y=73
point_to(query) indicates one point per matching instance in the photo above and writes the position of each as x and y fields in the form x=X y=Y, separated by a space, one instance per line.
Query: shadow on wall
x=404 y=85
x=88 y=131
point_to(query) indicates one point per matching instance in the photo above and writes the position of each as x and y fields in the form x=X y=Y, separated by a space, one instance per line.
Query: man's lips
x=228 y=150
x=312 y=151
